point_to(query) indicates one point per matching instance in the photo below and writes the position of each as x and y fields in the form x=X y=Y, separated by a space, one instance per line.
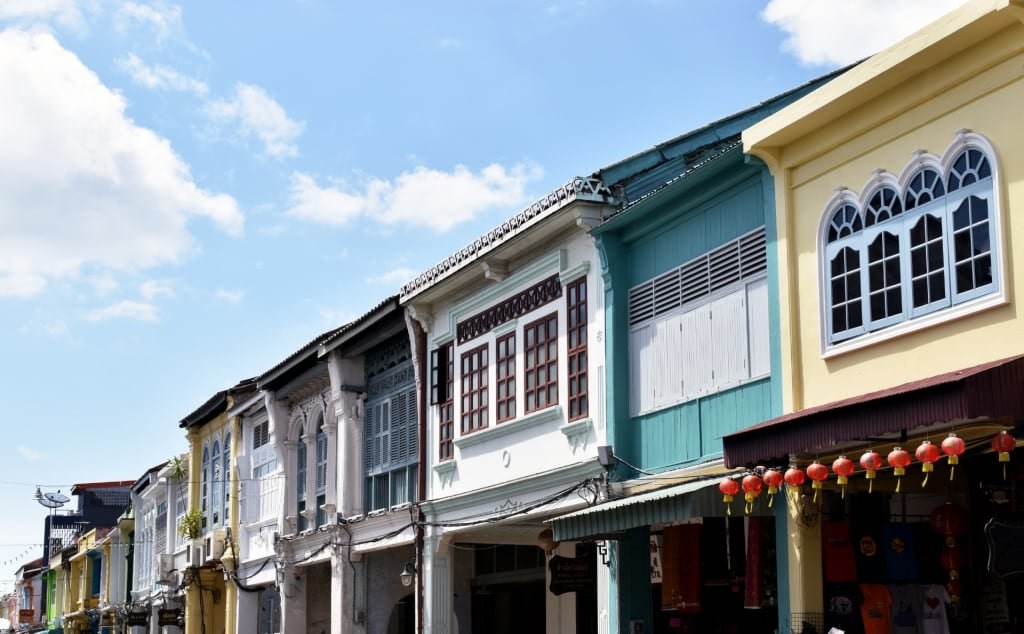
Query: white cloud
x=162 y=19
x=423 y=197
x=64 y=12
x=837 y=32
x=396 y=277
x=31 y=454
x=103 y=284
x=151 y=289
x=126 y=309
x=82 y=187
x=159 y=77
x=231 y=297
x=257 y=114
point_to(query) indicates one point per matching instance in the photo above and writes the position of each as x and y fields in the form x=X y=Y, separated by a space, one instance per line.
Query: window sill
x=914 y=325
x=513 y=426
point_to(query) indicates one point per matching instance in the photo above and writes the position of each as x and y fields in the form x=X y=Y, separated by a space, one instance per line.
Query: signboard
x=168 y=617
x=655 y=558
x=138 y=618
x=26 y=615
x=572 y=574
x=1005 y=549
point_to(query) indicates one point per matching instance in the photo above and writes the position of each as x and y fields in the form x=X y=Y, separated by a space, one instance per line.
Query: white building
x=515 y=384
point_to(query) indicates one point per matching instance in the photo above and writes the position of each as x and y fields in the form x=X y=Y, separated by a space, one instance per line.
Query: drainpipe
x=418 y=338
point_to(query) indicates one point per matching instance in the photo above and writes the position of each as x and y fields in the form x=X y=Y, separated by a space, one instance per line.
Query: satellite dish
x=57 y=498
x=50 y=504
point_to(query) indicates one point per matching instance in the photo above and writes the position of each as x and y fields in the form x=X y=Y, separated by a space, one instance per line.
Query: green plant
x=191 y=524
x=177 y=468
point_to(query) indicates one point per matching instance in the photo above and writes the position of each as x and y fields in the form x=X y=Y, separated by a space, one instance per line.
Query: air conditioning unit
x=194 y=555
x=165 y=563
x=166 y=575
x=213 y=545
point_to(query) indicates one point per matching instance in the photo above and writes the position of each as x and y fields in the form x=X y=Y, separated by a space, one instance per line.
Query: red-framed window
x=505 y=386
x=540 y=349
x=474 y=389
x=576 y=325
x=443 y=391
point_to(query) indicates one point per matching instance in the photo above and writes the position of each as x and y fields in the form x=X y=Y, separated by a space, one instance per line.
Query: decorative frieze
x=512 y=308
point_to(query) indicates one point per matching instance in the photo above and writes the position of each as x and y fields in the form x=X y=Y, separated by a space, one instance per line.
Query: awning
x=990 y=391
x=696 y=498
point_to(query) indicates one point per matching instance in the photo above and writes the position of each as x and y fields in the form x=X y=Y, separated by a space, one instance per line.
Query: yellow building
x=211 y=591
x=896 y=186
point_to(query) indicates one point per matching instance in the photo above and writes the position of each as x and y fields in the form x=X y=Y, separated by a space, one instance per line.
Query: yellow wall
x=980 y=88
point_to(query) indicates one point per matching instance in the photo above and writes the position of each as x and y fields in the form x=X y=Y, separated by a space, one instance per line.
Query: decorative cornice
x=591 y=189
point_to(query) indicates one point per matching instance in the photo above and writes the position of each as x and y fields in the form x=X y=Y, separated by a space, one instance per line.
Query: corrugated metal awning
x=697 y=498
x=993 y=390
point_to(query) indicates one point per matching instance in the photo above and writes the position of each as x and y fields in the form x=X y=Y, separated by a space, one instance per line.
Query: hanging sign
x=1005 y=548
x=168 y=617
x=572 y=574
x=138 y=618
x=655 y=558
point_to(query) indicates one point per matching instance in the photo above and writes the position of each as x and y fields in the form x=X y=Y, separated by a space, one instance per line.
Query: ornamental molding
x=578 y=433
x=521 y=303
x=446 y=472
x=590 y=189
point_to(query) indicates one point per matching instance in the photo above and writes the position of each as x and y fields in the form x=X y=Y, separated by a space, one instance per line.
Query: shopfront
x=932 y=544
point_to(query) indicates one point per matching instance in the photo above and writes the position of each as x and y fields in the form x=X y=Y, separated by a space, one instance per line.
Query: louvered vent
x=737 y=261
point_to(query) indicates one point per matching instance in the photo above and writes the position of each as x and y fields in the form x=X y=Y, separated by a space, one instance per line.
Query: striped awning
x=698 y=497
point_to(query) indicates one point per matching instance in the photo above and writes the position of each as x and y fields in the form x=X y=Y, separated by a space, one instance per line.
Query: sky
x=191 y=191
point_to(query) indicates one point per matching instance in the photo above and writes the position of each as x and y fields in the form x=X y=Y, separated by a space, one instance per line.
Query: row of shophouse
x=533 y=434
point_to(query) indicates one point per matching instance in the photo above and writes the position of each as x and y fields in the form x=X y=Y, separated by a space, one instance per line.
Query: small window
x=474 y=390
x=505 y=388
x=540 y=352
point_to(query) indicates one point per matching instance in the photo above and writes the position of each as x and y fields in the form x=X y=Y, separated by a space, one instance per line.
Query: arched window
x=300 y=484
x=204 y=485
x=901 y=252
x=226 y=478
x=217 y=488
x=321 y=471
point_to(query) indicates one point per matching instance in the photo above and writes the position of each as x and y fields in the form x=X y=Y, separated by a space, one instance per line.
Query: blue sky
x=191 y=191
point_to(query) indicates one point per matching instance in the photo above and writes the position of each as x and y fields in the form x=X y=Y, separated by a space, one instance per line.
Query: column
x=438 y=578
x=803 y=556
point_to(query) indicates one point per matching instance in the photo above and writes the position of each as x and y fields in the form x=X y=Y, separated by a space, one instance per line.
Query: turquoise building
x=691 y=288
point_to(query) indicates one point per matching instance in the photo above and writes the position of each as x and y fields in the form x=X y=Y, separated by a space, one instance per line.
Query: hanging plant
x=191 y=524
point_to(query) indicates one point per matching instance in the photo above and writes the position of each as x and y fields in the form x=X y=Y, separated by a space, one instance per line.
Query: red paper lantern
x=1003 y=443
x=729 y=488
x=818 y=473
x=773 y=480
x=951 y=560
x=955 y=589
x=871 y=462
x=898 y=460
x=751 y=489
x=794 y=477
x=949 y=519
x=843 y=467
x=953 y=446
x=927 y=454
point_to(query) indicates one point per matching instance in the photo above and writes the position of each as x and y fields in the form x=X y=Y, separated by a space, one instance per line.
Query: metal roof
x=987 y=391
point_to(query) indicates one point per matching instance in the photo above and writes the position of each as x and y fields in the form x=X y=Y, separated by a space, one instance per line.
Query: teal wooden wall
x=683 y=237
x=693 y=431
x=681 y=225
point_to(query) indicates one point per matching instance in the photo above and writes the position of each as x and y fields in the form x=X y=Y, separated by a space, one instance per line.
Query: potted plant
x=191 y=524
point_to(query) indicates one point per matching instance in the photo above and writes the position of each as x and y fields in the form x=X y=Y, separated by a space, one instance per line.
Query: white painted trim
x=513 y=426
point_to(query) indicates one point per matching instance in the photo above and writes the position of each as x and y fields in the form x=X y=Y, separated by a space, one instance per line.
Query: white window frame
x=953 y=305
